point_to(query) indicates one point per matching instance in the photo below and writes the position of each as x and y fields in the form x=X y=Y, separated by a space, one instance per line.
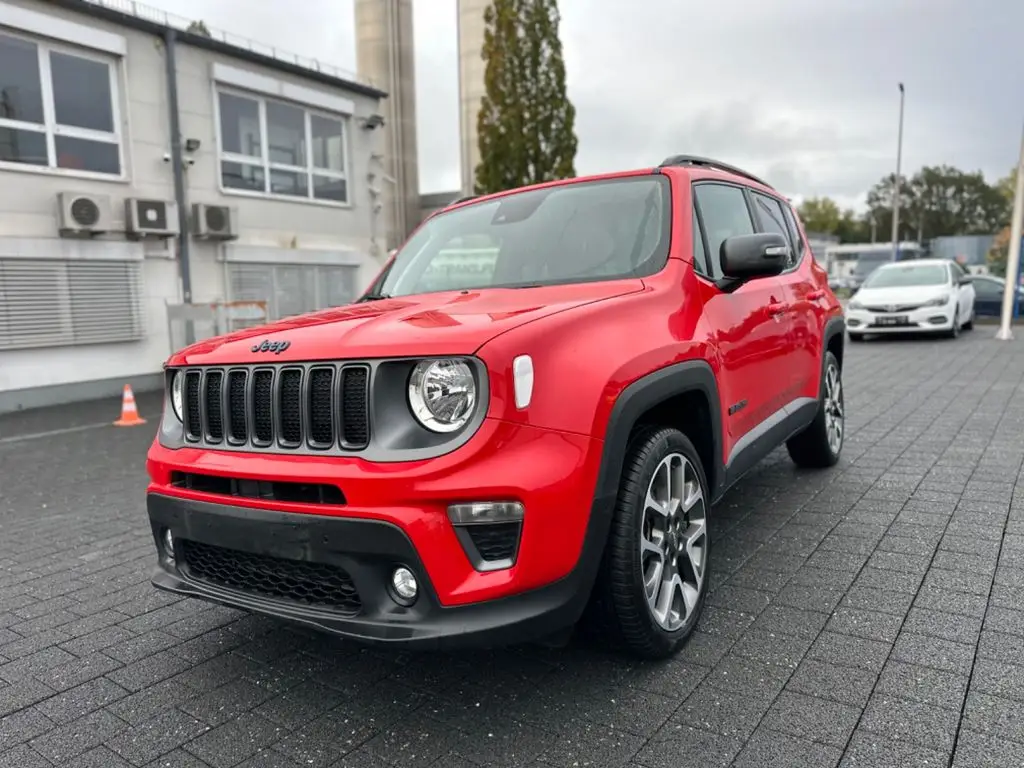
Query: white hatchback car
x=917 y=296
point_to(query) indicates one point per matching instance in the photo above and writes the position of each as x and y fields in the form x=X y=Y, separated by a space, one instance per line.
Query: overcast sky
x=803 y=92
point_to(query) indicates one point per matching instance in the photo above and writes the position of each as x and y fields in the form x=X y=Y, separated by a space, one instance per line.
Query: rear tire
x=820 y=443
x=653 y=580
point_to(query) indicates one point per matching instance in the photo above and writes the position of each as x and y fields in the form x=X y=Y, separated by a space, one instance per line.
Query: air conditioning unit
x=151 y=218
x=214 y=222
x=83 y=214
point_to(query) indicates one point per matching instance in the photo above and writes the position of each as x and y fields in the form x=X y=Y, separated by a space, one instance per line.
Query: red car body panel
x=763 y=342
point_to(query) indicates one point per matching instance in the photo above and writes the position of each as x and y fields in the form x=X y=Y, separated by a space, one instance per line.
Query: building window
x=293 y=289
x=58 y=109
x=276 y=148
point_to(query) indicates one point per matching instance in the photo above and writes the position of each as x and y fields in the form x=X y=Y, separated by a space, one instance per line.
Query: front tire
x=819 y=445
x=654 y=576
x=954 y=332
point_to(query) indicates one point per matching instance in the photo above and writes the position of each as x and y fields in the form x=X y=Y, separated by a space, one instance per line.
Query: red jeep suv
x=524 y=422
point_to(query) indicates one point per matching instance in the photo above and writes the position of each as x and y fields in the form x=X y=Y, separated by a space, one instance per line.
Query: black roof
x=217 y=46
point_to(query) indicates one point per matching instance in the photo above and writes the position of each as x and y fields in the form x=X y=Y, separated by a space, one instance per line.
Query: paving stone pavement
x=868 y=615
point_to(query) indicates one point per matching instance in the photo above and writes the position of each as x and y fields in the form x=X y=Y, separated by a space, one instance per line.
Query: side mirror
x=745 y=257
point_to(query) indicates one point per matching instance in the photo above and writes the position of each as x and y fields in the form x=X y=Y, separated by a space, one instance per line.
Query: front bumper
x=921 y=320
x=365 y=551
x=387 y=515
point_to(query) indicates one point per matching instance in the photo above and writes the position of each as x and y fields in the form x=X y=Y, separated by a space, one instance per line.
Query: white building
x=272 y=198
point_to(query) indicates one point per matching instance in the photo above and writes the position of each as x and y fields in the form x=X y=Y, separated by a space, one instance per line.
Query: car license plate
x=895 y=320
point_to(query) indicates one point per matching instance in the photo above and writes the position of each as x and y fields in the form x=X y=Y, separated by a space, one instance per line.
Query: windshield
x=901 y=275
x=595 y=230
x=869 y=262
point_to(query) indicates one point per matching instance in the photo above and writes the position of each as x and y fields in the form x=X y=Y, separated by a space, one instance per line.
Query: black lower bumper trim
x=368 y=551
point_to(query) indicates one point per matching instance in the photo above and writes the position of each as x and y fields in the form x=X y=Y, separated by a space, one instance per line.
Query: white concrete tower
x=471 y=85
x=385 y=54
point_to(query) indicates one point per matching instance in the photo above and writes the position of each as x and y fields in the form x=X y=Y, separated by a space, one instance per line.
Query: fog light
x=169 y=542
x=403 y=582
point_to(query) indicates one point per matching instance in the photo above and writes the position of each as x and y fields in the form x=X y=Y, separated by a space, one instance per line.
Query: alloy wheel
x=834 y=416
x=673 y=542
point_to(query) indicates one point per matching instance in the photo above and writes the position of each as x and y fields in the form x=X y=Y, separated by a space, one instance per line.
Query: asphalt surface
x=869 y=615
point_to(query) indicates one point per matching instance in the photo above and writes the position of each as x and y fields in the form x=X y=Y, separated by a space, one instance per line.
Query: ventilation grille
x=55 y=302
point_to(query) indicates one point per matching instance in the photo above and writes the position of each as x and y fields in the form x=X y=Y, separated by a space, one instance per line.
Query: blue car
x=988 y=296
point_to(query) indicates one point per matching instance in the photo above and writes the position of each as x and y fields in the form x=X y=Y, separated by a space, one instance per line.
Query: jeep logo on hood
x=277 y=347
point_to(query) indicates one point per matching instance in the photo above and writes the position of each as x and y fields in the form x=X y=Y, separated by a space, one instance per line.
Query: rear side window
x=723 y=209
x=794 y=232
x=700 y=254
x=772 y=219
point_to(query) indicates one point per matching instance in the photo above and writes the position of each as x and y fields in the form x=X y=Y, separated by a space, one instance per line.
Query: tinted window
x=81 y=93
x=700 y=256
x=771 y=219
x=907 y=274
x=794 y=233
x=601 y=230
x=723 y=210
x=21 y=91
x=988 y=289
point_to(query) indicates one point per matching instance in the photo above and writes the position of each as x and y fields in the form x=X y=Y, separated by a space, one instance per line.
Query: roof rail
x=707 y=162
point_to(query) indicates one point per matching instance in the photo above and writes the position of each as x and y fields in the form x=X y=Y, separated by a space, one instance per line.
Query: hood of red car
x=449 y=323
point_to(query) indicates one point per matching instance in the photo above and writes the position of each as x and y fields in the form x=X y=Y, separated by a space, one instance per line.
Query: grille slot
x=495 y=541
x=268 y=490
x=193 y=412
x=214 y=406
x=263 y=407
x=355 y=417
x=238 y=419
x=314 y=584
x=321 y=415
x=290 y=407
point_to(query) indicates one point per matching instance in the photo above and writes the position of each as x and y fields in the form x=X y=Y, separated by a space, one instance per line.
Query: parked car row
x=923 y=296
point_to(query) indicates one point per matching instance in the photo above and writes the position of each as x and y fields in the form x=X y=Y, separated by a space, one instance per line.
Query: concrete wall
x=287 y=229
x=385 y=53
x=471 y=85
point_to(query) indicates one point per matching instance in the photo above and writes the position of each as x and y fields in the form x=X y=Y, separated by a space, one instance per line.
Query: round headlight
x=442 y=394
x=178 y=394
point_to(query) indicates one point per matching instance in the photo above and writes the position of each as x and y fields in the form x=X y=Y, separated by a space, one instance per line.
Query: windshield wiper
x=373 y=297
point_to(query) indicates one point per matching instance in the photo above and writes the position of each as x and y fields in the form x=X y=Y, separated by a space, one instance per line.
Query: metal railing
x=157 y=16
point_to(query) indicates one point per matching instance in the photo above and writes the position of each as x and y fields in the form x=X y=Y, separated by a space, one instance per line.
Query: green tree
x=820 y=214
x=1007 y=186
x=853 y=228
x=526 y=121
x=999 y=253
x=939 y=201
x=198 y=27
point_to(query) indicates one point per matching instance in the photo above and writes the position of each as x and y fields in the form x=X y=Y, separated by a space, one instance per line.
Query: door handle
x=776 y=310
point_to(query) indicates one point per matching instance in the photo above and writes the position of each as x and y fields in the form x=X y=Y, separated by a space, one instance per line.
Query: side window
x=723 y=209
x=794 y=233
x=957 y=271
x=987 y=289
x=700 y=254
x=772 y=219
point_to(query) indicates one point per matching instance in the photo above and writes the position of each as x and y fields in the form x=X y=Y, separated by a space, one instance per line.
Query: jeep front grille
x=289 y=407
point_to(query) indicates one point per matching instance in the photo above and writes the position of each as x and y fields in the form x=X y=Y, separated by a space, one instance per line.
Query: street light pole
x=1013 y=257
x=896 y=186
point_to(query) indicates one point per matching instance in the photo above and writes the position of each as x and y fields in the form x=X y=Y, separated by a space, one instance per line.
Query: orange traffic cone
x=129 y=413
